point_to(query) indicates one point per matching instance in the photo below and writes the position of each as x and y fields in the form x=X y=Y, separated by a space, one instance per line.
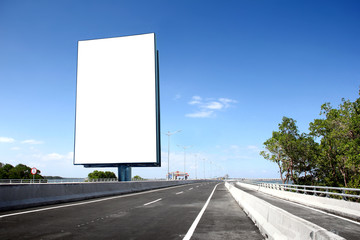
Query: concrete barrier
x=16 y=196
x=336 y=206
x=275 y=223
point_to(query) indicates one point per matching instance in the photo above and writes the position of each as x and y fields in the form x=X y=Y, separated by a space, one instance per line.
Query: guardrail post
x=315 y=191
x=305 y=190
x=343 y=192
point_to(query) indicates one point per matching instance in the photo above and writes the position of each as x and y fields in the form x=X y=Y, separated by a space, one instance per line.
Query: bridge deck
x=159 y=214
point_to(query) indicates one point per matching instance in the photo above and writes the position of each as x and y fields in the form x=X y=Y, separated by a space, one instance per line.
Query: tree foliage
x=100 y=174
x=137 y=178
x=328 y=155
x=20 y=171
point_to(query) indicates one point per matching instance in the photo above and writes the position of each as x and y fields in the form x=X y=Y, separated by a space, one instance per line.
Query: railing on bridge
x=352 y=194
x=60 y=180
x=103 y=180
x=22 y=181
x=76 y=180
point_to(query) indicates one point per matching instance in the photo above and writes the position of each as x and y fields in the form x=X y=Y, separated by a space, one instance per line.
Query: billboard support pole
x=124 y=173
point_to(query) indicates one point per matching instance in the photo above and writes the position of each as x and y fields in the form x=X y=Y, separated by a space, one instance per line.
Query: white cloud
x=32 y=141
x=6 y=140
x=53 y=156
x=70 y=155
x=227 y=101
x=15 y=148
x=207 y=107
x=195 y=100
x=214 y=105
x=252 y=147
x=201 y=114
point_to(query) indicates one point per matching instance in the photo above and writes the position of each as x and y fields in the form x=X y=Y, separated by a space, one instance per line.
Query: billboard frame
x=123 y=166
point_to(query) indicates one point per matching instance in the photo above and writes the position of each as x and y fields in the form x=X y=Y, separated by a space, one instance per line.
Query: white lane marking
x=153 y=202
x=190 y=188
x=83 y=203
x=179 y=192
x=321 y=211
x=197 y=219
x=197 y=186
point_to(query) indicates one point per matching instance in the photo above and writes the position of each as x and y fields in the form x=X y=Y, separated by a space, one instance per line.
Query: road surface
x=169 y=213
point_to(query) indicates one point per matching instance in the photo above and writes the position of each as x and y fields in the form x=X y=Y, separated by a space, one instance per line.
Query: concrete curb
x=18 y=196
x=275 y=223
x=336 y=206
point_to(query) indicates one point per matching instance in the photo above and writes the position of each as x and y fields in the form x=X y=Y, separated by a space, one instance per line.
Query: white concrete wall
x=336 y=206
x=16 y=196
x=276 y=223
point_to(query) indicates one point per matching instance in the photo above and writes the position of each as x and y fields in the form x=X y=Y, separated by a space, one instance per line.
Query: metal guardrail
x=321 y=191
x=62 y=180
x=76 y=180
x=103 y=180
x=22 y=181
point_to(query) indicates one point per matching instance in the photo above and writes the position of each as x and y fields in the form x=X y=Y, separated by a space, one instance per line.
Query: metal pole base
x=124 y=173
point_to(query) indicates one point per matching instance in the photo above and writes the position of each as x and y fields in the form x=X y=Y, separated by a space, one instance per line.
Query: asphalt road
x=167 y=213
x=345 y=228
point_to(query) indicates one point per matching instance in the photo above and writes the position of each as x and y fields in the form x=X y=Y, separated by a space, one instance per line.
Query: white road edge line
x=191 y=189
x=153 y=202
x=312 y=208
x=87 y=202
x=321 y=211
x=179 y=192
x=197 y=219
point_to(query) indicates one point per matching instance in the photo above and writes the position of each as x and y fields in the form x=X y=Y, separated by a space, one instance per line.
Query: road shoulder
x=224 y=219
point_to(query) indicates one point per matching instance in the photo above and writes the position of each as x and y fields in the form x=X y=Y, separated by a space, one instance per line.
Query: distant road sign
x=33 y=171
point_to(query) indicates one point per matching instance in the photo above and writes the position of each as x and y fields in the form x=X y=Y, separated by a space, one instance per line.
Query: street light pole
x=184 y=147
x=169 y=134
x=196 y=168
x=204 y=168
x=196 y=165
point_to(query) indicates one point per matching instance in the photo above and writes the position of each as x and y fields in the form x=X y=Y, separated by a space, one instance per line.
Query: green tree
x=109 y=174
x=294 y=153
x=339 y=134
x=328 y=155
x=288 y=140
x=306 y=167
x=20 y=171
x=100 y=174
x=137 y=178
x=275 y=153
x=4 y=171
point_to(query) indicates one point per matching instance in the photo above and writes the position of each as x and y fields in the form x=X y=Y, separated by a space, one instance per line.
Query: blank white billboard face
x=116 y=101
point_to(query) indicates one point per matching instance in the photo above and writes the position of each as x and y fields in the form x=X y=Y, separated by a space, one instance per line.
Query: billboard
x=117 y=102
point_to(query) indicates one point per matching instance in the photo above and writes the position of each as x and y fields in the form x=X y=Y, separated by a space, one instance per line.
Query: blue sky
x=229 y=72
